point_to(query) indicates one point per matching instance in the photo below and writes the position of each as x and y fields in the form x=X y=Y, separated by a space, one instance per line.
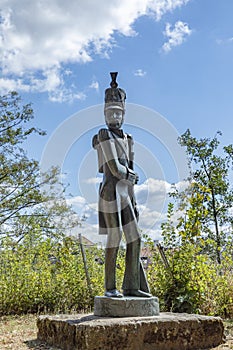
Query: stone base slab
x=168 y=331
x=126 y=307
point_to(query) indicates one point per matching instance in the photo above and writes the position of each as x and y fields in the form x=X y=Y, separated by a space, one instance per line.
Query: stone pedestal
x=126 y=307
x=167 y=331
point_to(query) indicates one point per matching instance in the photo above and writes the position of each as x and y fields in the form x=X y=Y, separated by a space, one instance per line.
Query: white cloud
x=152 y=198
x=176 y=36
x=224 y=41
x=50 y=81
x=182 y=185
x=160 y=7
x=90 y=232
x=43 y=36
x=93 y=180
x=83 y=208
x=139 y=73
x=152 y=193
x=94 y=85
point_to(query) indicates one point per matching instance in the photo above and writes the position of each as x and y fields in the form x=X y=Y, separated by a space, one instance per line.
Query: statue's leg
x=110 y=268
x=132 y=266
x=135 y=282
x=112 y=246
x=143 y=280
x=133 y=240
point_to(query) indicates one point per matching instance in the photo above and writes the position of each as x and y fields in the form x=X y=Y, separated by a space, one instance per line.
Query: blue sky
x=174 y=59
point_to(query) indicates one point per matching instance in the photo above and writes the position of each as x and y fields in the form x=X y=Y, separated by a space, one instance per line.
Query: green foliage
x=192 y=283
x=48 y=276
x=196 y=234
x=209 y=198
x=31 y=203
x=40 y=269
x=13 y=120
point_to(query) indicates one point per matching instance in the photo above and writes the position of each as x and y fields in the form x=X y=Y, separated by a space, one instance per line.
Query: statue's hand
x=132 y=177
x=103 y=135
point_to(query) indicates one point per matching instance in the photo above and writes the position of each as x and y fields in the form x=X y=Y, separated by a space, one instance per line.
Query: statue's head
x=114 y=117
x=114 y=108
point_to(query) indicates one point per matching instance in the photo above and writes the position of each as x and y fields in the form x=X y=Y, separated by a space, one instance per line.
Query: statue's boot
x=136 y=293
x=113 y=293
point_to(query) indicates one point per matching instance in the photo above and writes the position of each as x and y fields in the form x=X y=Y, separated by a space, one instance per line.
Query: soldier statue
x=118 y=212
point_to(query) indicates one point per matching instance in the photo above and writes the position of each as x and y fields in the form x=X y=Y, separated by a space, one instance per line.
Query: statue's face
x=114 y=118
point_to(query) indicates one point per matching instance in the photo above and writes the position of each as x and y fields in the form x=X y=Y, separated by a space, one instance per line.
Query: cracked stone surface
x=167 y=331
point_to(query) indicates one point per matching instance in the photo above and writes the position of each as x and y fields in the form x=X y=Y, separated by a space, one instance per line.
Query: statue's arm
x=107 y=144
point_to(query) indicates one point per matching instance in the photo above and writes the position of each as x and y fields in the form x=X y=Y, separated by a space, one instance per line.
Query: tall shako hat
x=114 y=96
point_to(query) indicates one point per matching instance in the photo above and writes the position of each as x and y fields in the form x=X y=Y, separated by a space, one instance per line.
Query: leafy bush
x=192 y=282
x=48 y=277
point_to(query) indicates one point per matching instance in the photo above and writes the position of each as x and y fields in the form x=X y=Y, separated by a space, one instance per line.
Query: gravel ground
x=19 y=333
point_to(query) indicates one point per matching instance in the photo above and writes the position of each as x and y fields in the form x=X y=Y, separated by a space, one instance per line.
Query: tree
x=198 y=232
x=209 y=198
x=25 y=209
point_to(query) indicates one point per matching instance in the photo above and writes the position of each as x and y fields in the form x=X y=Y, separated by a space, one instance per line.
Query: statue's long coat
x=119 y=147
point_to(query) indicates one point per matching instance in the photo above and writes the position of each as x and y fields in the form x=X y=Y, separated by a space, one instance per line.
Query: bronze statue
x=117 y=206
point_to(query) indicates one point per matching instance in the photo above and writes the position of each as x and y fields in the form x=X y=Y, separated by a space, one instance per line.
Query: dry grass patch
x=20 y=333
